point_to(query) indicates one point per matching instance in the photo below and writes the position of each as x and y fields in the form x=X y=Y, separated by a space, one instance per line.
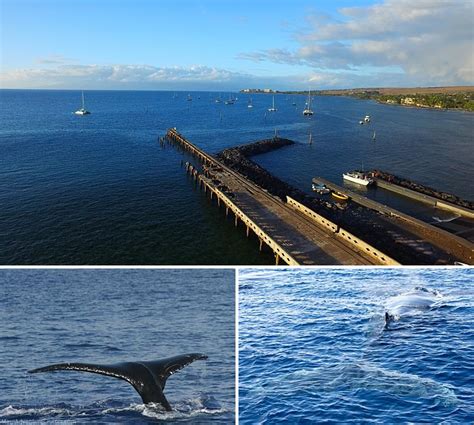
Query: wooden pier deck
x=294 y=237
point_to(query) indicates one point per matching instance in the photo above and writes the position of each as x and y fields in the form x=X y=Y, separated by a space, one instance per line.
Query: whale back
x=410 y=302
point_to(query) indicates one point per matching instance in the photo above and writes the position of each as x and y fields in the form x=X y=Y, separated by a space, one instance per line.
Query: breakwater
x=422 y=189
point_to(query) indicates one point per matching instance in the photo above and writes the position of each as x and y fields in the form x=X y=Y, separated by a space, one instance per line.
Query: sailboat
x=308 y=110
x=272 y=109
x=250 y=103
x=230 y=101
x=83 y=110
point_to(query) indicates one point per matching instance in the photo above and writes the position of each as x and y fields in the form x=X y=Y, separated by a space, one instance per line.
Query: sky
x=235 y=44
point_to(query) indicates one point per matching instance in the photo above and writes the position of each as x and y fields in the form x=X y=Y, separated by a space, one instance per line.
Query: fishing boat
x=83 y=110
x=272 y=109
x=358 y=177
x=307 y=110
x=321 y=189
x=339 y=196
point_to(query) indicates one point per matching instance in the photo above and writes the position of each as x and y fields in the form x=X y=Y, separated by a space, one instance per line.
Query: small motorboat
x=321 y=189
x=339 y=196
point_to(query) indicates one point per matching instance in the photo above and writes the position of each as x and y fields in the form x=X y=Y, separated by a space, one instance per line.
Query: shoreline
x=459 y=98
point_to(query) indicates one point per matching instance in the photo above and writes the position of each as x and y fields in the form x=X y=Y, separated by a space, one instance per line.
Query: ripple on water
x=313 y=347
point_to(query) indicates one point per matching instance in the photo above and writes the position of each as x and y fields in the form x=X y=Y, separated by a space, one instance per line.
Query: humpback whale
x=148 y=378
x=410 y=302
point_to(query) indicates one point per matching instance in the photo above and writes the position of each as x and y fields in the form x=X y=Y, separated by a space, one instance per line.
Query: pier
x=293 y=236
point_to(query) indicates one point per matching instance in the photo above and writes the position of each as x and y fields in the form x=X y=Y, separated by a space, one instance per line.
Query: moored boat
x=358 y=177
x=307 y=110
x=83 y=110
x=340 y=196
x=322 y=189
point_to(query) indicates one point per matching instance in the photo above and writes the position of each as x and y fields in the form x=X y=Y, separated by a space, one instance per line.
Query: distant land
x=453 y=97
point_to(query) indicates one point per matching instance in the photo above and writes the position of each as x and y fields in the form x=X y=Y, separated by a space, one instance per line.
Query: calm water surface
x=314 y=349
x=111 y=316
x=99 y=189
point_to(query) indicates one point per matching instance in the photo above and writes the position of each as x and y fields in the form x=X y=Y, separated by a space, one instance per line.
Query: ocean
x=314 y=348
x=99 y=189
x=110 y=316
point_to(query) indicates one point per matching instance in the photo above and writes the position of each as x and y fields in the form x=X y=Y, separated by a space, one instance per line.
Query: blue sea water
x=313 y=347
x=99 y=189
x=110 y=316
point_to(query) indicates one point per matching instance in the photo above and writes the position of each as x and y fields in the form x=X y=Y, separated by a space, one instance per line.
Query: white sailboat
x=83 y=110
x=308 y=110
x=250 y=103
x=272 y=109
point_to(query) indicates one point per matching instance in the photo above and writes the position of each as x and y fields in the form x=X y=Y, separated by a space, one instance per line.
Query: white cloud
x=119 y=77
x=430 y=40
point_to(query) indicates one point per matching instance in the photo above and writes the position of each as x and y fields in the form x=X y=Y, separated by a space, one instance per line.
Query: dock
x=294 y=235
x=426 y=199
x=457 y=246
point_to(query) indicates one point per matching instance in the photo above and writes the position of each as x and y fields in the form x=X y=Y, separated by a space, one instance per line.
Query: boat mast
x=83 y=100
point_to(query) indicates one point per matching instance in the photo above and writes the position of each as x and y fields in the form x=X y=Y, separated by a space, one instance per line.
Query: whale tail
x=148 y=378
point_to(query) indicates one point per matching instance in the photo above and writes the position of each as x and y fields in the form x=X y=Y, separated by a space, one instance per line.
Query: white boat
x=250 y=103
x=83 y=110
x=272 y=109
x=367 y=118
x=308 y=110
x=358 y=177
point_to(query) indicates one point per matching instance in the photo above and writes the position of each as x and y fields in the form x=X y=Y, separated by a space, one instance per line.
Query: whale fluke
x=148 y=378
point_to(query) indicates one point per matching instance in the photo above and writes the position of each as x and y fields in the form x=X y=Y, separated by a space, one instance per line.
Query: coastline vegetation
x=461 y=97
x=463 y=101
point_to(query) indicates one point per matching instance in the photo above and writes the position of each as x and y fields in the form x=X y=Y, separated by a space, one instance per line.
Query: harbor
x=307 y=230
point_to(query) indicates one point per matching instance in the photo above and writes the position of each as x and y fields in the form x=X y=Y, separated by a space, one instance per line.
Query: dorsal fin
x=148 y=378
